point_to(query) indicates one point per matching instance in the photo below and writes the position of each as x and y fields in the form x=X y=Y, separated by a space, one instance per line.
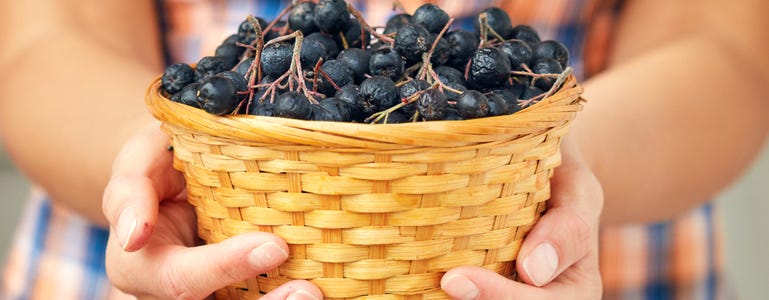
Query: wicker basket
x=374 y=211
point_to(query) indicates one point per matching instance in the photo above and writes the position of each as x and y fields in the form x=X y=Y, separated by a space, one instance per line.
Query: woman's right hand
x=153 y=250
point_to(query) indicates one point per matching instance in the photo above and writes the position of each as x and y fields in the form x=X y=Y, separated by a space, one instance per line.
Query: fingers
x=567 y=232
x=142 y=177
x=177 y=272
x=470 y=283
x=295 y=290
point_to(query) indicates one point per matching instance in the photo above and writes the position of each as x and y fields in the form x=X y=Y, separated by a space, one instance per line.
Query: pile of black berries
x=322 y=61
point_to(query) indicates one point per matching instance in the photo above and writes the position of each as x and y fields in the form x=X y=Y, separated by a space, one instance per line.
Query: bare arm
x=72 y=78
x=682 y=109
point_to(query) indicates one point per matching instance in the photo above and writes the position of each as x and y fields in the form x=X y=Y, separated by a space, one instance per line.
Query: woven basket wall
x=374 y=211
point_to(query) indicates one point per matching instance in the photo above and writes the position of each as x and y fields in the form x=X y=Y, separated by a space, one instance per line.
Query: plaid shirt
x=59 y=255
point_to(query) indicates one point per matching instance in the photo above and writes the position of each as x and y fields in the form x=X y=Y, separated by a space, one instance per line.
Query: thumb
x=470 y=283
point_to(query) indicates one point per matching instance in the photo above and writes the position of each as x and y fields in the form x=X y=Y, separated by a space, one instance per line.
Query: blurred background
x=745 y=207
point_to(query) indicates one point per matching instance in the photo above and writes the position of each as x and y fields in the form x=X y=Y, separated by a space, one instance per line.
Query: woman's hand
x=559 y=257
x=152 y=250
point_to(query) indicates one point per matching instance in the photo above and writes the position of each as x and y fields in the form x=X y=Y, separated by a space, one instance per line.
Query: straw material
x=370 y=211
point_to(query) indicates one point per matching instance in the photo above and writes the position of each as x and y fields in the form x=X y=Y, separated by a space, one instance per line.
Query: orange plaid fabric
x=56 y=251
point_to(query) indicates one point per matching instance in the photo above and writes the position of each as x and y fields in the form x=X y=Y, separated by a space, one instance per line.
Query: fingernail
x=302 y=295
x=459 y=287
x=267 y=255
x=126 y=224
x=541 y=264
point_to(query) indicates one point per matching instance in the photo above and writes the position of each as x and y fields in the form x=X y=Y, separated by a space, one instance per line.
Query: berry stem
x=376 y=117
x=556 y=86
x=280 y=16
x=325 y=75
x=254 y=70
x=368 y=28
x=344 y=41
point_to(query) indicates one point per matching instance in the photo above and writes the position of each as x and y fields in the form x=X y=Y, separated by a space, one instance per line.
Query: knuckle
x=177 y=286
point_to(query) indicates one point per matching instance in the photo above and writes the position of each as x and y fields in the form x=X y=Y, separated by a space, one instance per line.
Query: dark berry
x=518 y=52
x=188 y=95
x=497 y=105
x=394 y=118
x=432 y=105
x=453 y=96
x=240 y=82
x=462 y=44
x=338 y=72
x=313 y=49
x=499 y=21
x=531 y=92
x=510 y=96
x=353 y=35
x=546 y=66
x=263 y=108
x=292 y=105
x=357 y=60
x=332 y=109
x=489 y=67
x=396 y=22
x=553 y=49
x=331 y=16
x=450 y=75
x=527 y=34
x=176 y=77
x=332 y=50
x=302 y=18
x=472 y=104
x=246 y=31
x=376 y=94
x=209 y=66
x=452 y=114
x=386 y=62
x=407 y=90
x=276 y=59
x=441 y=53
x=230 y=52
x=218 y=95
x=431 y=17
x=242 y=67
x=412 y=41
x=349 y=94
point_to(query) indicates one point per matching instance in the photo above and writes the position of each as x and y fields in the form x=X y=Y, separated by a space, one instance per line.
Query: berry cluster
x=322 y=61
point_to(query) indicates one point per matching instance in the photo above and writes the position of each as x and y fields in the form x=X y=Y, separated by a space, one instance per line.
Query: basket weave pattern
x=379 y=211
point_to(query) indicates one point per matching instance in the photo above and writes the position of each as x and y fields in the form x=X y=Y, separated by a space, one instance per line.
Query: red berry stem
x=556 y=86
x=254 y=70
x=376 y=117
x=280 y=16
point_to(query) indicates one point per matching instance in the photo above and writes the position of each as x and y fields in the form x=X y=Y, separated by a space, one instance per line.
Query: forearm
x=668 y=129
x=68 y=104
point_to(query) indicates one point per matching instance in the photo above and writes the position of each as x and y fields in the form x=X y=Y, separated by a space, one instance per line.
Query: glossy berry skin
x=209 y=66
x=353 y=34
x=176 y=77
x=499 y=21
x=386 y=62
x=510 y=96
x=452 y=96
x=264 y=108
x=218 y=95
x=376 y=94
x=546 y=66
x=531 y=92
x=330 y=46
x=431 y=17
x=396 y=22
x=332 y=109
x=241 y=85
x=395 y=118
x=276 y=59
x=292 y=105
x=188 y=95
x=409 y=89
x=432 y=105
x=452 y=114
x=497 y=105
x=461 y=44
x=349 y=94
x=331 y=16
x=338 y=72
x=553 y=49
x=357 y=60
x=302 y=18
x=243 y=67
x=441 y=53
x=247 y=33
x=473 y=104
x=313 y=49
x=450 y=75
x=230 y=52
x=489 y=67
x=412 y=41
x=518 y=52
x=527 y=34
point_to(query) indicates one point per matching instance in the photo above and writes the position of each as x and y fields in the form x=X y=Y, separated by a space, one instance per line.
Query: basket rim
x=556 y=110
